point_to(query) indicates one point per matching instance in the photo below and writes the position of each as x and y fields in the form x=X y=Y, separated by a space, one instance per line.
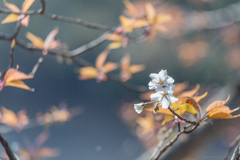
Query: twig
x=180 y=117
x=37 y=65
x=43 y=7
x=160 y=152
x=159 y=146
x=232 y=146
x=7 y=148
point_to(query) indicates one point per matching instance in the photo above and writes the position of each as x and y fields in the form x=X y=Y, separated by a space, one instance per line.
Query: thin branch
x=37 y=65
x=180 y=117
x=160 y=152
x=7 y=148
x=16 y=31
x=232 y=146
x=160 y=144
x=43 y=7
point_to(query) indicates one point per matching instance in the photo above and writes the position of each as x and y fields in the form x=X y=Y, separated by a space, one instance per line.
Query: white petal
x=138 y=107
x=162 y=75
x=159 y=89
x=154 y=76
x=151 y=85
x=165 y=103
x=172 y=99
x=170 y=80
x=169 y=89
x=156 y=96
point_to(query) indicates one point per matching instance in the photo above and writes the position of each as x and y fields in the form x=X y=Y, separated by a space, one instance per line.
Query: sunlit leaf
x=101 y=59
x=167 y=118
x=12 y=7
x=130 y=24
x=45 y=152
x=36 y=41
x=10 y=18
x=136 y=68
x=130 y=7
x=8 y=117
x=151 y=13
x=26 y=5
x=125 y=62
x=114 y=37
x=110 y=66
x=162 y=18
x=190 y=93
x=14 y=78
x=87 y=73
x=216 y=104
x=114 y=45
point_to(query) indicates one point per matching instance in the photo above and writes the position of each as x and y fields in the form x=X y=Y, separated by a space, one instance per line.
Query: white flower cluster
x=163 y=85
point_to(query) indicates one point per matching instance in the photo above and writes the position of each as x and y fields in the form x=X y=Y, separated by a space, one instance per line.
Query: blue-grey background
x=98 y=132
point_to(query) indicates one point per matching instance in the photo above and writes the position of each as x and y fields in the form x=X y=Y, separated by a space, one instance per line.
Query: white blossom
x=139 y=107
x=160 y=80
x=164 y=96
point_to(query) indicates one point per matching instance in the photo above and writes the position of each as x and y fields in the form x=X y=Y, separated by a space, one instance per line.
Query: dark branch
x=7 y=148
x=181 y=118
x=43 y=7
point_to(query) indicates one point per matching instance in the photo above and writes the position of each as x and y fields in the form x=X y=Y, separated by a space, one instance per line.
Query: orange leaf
x=114 y=37
x=101 y=59
x=162 y=18
x=130 y=7
x=179 y=88
x=36 y=41
x=198 y=98
x=87 y=73
x=110 y=66
x=136 y=68
x=8 y=117
x=190 y=93
x=151 y=13
x=125 y=62
x=191 y=101
x=216 y=104
x=13 y=78
x=45 y=152
x=130 y=24
x=114 y=45
x=10 y=18
x=26 y=5
x=12 y=7
x=13 y=75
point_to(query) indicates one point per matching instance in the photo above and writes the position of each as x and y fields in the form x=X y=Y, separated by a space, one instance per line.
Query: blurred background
x=200 y=46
